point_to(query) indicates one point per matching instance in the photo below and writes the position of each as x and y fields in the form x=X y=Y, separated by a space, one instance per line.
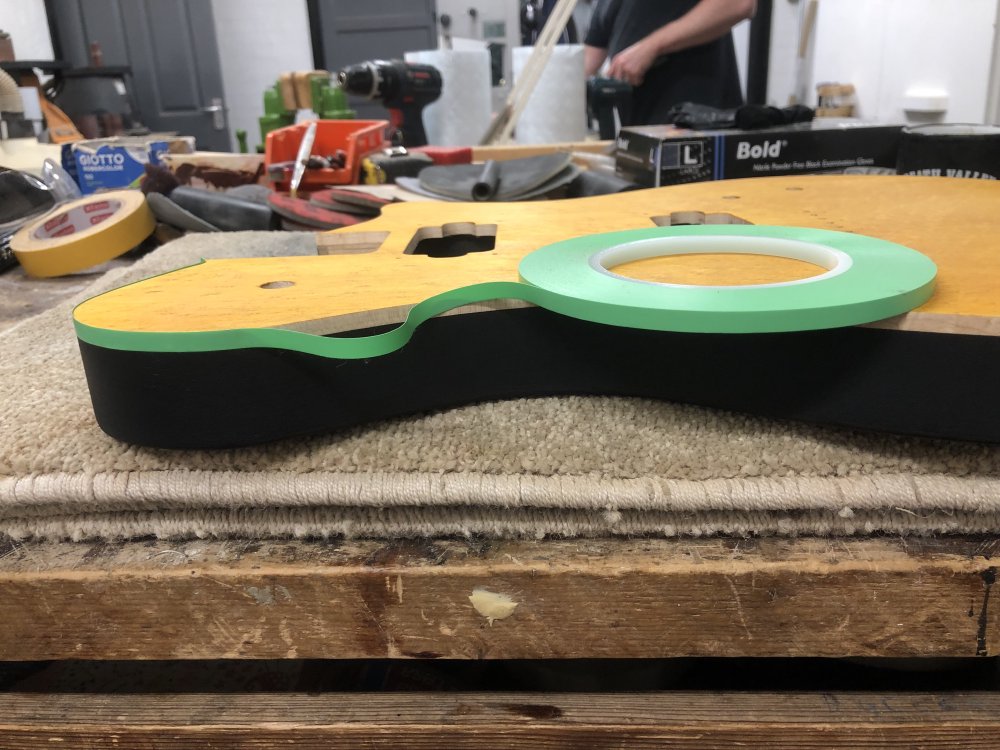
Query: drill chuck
x=362 y=79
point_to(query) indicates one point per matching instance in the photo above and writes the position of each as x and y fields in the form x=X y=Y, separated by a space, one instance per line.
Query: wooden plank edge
x=945 y=721
x=653 y=598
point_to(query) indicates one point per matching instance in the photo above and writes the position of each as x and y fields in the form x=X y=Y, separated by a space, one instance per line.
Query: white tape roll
x=557 y=109
x=462 y=113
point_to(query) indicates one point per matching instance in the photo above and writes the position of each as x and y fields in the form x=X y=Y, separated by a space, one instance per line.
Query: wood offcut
x=574 y=598
x=501 y=721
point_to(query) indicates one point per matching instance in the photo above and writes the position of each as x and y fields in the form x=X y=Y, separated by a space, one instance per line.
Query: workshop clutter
x=140 y=191
x=509 y=180
x=314 y=150
x=461 y=114
x=291 y=187
x=556 y=110
x=83 y=233
x=23 y=197
x=96 y=99
x=215 y=170
x=836 y=100
x=950 y=150
x=657 y=155
x=334 y=158
x=404 y=88
x=311 y=90
x=120 y=162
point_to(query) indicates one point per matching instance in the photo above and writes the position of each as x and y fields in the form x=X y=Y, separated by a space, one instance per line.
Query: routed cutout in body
x=684 y=218
x=453 y=240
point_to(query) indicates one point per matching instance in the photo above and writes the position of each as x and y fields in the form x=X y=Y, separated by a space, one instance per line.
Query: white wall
x=888 y=47
x=28 y=27
x=258 y=41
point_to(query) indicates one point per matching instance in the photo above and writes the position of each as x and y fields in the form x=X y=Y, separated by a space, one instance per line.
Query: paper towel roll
x=461 y=115
x=557 y=109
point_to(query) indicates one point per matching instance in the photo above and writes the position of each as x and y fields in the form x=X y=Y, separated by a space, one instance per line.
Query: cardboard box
x=657 y=155
x=115 y=163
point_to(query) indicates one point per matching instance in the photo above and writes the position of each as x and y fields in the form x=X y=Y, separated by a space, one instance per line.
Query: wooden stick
x=799 y=95
x=805 y=36
x=503 y=125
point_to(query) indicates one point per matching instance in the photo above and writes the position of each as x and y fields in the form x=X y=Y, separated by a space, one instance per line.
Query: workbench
x=75 y=610
x=608 y=599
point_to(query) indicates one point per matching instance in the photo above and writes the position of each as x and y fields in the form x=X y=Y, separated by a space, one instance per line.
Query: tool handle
x=410 y=121
x=606 y=123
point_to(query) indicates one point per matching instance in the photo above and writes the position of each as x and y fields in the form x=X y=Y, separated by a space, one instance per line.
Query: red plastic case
x=356 y=138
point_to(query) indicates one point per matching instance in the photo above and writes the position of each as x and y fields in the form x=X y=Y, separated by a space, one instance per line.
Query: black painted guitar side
x=906 y=382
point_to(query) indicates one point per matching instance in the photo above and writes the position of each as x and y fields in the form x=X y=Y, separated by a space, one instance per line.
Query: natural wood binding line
x=953 y=221
x=502 y=126
x=573 y=599
x=681 y=720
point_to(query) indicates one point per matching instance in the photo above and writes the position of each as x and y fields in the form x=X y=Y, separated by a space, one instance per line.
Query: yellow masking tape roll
x=84 y=233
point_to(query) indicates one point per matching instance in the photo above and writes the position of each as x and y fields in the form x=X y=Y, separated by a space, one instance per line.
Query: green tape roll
x=866 y=280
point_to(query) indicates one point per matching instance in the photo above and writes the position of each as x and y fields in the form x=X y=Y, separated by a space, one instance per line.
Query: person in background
x=670 y=51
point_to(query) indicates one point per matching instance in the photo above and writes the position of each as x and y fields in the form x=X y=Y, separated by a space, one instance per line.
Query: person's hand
x=630 y=65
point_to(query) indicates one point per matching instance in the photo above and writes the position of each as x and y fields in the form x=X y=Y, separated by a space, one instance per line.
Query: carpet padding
x=526 y=468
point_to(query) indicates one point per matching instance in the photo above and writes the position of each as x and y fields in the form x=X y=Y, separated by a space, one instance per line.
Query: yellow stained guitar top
x=955 y=222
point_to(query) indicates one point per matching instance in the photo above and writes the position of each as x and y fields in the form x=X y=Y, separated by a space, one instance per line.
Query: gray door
x=352 y=31
x=170 y=46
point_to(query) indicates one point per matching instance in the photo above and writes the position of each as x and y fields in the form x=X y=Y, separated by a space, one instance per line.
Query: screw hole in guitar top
x=277 y=284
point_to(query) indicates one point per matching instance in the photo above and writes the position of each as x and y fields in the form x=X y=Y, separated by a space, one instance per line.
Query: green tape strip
x=875 y=280
x=361 y=347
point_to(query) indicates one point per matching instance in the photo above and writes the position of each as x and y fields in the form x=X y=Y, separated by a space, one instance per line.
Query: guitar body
x=236 y=352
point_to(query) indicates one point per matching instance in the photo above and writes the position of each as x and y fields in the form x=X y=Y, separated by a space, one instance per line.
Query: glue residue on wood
x=491 y=605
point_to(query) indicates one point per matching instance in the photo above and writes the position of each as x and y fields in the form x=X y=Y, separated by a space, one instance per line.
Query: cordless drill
x=607 y=97
x=404 y=88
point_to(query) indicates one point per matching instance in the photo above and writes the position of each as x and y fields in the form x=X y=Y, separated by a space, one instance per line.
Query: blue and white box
x=116 y=163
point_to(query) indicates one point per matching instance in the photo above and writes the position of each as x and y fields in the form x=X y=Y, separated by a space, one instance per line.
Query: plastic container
x=356 y=138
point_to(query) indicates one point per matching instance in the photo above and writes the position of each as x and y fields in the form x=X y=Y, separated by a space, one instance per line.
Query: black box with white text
x=656 y=155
